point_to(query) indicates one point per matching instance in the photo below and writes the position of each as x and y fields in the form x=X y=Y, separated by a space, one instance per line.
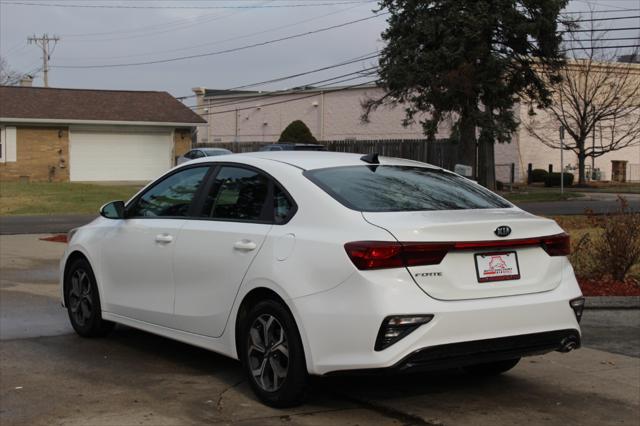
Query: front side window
x=171 y=197
x=402 y=188
x=238 y=194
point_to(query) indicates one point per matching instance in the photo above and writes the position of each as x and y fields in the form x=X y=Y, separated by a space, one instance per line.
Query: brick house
x=90 y=135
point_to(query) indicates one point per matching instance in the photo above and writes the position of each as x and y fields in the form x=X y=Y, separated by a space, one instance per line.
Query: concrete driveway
x=48 y=375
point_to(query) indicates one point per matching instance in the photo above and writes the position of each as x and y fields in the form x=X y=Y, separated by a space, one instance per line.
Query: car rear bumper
x=453 y=355
x=339 y=327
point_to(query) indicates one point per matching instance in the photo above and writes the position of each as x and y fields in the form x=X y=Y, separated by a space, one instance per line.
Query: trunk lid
x=458 y=275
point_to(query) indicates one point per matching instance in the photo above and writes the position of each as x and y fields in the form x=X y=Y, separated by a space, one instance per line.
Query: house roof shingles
x=39 y=103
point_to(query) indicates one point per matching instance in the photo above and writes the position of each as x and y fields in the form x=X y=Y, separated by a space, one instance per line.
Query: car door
x=137 y=253
x=214 y=253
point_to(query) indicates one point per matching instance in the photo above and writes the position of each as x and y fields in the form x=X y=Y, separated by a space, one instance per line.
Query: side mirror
x=113 y=210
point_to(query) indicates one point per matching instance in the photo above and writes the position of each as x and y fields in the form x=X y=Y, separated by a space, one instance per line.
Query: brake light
x=379 y=254
x=367 y=255
x=374 y=254
x=557 y=245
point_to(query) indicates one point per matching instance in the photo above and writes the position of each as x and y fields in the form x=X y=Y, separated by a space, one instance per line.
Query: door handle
x=245 y=245
x=164 y=238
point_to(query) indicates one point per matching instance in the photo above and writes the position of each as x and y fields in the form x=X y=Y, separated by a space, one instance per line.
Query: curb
x=612 y=302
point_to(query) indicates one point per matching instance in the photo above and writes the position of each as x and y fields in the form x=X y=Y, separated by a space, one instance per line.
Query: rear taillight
x=375 y=254
x=367 y=255
x=557 y=245
x=379 y=254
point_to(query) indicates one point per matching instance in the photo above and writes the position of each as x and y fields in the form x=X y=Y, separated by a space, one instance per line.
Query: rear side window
x=402 y=188
x=238 y=194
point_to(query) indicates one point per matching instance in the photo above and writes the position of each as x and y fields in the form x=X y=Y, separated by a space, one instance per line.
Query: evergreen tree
x=466 y=62
x=297 y=132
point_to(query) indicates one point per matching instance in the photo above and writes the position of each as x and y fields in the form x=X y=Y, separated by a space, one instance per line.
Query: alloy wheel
x=81 y=297
x=268 y=352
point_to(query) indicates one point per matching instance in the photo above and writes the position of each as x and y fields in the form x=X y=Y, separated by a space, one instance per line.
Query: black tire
x=266 y=357
x=491 y=368
x=83 y=301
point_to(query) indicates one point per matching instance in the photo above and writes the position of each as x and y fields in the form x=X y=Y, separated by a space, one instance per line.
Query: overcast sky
x=97 y=36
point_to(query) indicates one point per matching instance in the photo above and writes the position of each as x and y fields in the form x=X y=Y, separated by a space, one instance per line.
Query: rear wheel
x=272 y=355
x=83 y=301
x=491 y=368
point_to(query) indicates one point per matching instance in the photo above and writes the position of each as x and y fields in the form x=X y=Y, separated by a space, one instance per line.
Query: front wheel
x=83 y=301
x=491 y=368
x=272 y=355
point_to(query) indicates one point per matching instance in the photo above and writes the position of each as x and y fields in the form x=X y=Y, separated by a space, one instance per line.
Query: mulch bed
x=609 y=287
x=60 y=238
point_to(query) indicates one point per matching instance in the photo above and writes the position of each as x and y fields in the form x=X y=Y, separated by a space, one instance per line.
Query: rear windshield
x=402 y=188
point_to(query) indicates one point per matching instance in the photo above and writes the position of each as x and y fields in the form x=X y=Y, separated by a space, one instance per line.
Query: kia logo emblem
x=502 y=231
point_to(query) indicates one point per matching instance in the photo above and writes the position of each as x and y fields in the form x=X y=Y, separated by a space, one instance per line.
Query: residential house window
x=8 y=151
x=1 y=144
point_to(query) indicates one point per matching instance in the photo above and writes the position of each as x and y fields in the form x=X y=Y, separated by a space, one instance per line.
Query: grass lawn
x=59 y=197
x=628 y=188
x=540 y=195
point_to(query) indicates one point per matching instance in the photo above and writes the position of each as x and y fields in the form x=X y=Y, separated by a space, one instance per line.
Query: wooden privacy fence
x=439 y=153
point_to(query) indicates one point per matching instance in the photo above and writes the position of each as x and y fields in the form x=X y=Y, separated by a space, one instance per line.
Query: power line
x=600 y=19
x=220 y=52
x=290 y=100
x=122 y=6
x=288 y=77
x=600 y=47
x=601 y=39
x=275 y=80
x=225 y=102
x=220 y=41
x=601 y=30
x=591 y=3
x=600 y=11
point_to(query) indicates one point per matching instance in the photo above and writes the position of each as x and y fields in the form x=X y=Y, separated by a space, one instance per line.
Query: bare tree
x=8 y=76
x=597 y=101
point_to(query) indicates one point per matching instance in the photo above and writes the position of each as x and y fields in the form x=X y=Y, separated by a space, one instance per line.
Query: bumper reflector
x=397 y=327
x=577 y=305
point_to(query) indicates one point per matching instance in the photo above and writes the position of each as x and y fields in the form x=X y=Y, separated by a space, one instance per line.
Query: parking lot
x=48 y=375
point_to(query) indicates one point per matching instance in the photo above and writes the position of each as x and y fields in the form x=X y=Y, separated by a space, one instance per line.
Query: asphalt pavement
x=51 y=376
x=599 y=203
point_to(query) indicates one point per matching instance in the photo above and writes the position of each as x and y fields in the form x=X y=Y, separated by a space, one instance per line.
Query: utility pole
x=43 y=43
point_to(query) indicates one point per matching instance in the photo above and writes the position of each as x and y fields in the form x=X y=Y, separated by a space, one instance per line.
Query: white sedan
x=303 y=264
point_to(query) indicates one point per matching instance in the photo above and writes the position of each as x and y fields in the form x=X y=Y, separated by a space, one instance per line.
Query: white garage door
x=118 y=155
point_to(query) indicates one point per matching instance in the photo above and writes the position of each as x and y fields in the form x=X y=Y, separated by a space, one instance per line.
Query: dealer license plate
x=498 y=266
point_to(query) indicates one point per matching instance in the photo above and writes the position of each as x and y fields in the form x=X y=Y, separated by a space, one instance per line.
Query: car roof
x=213 y=149
x=310 y=160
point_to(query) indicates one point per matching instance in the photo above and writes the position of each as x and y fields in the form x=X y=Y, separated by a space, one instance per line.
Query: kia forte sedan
x=318 y=263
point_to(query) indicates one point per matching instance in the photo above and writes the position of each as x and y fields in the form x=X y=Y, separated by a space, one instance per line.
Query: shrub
x=297 y=132
x=538 y=175
x=618 y=247
x=582 y=256
x=553 y=179
x=612 y=248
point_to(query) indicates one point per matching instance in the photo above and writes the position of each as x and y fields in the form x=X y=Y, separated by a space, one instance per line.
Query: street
x=51 y=376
